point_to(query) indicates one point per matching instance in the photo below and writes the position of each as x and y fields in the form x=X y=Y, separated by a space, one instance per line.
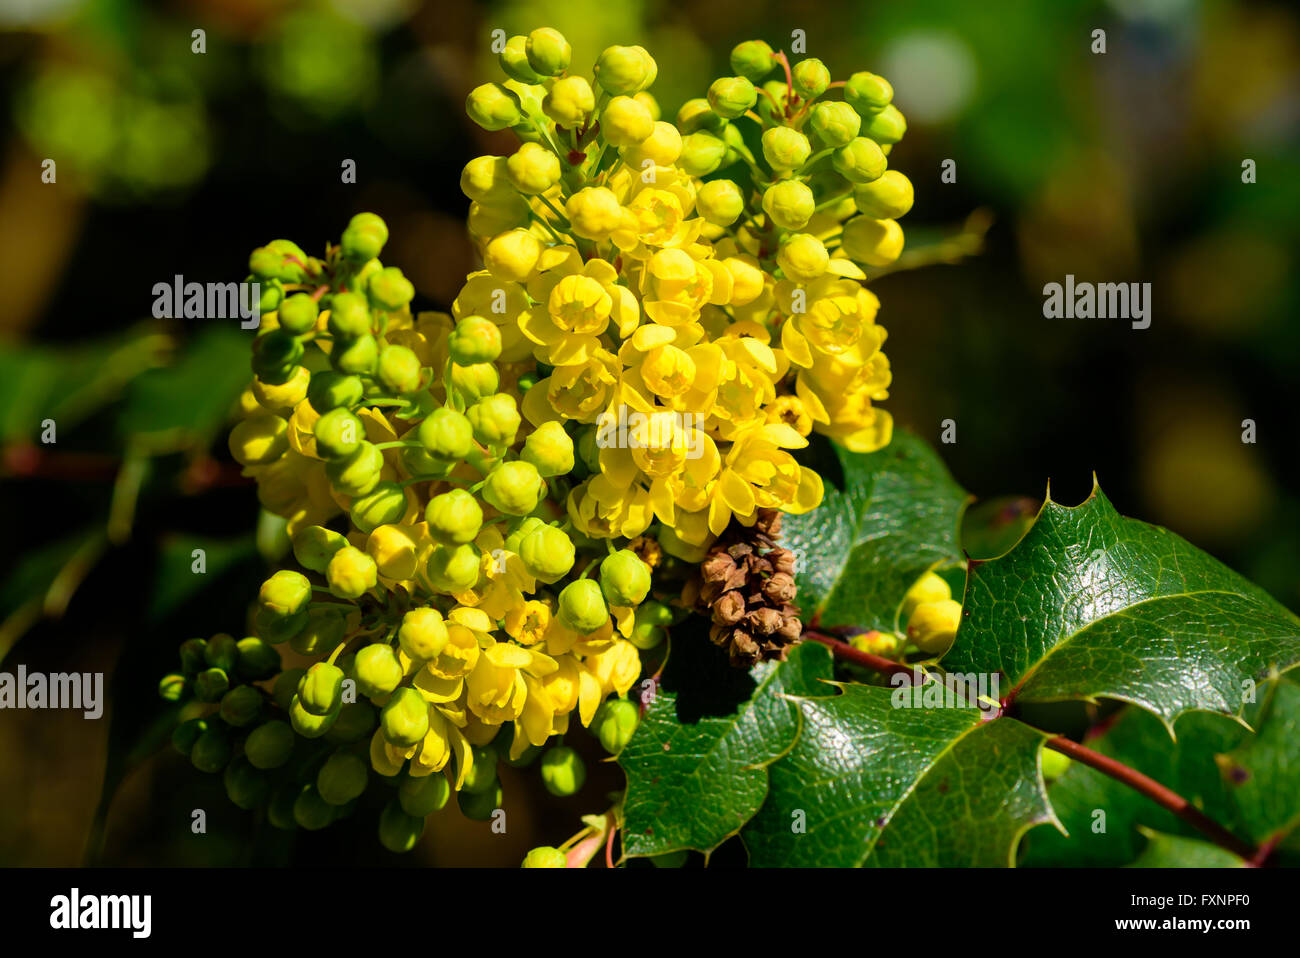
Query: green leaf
x=1263 y=773
x=886 y=519
x=868 y=783
x=1173 y=851
x=176 y=581
x=1102 y=816
x=696 y=766
x=190 y=400
x=1092 y=604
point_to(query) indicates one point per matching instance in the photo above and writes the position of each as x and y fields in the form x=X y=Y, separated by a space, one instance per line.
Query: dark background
x=1118 y=167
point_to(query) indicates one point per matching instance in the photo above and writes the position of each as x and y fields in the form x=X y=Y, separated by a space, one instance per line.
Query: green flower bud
x=887 y=198
x=549 y=449
x=790 y=204
x=276 y=261
x=384 y=504
x=187 y=733
x=495 y=420
x=271 y=294
x=454 y=517
x=569 y=102
x=702 y=153
x=275 y=355
x=378 y=671
x=355 y=723
x=171 y=688
x=887 y=126
x=324 y=630
x=514 y=61
x=803 y=258
x=835 y=123
x=493 y=107
x=624 y=578
x=474 y=340
x=361 y=355
x=614 y=724
x=330 y=390
x=338 y=433
x=582 y=606
x=475 y=382
x=652 y=614
x=479 y=806
x=752 y=59
x=785 y=149
x=399 y=369
x=257 y=659
x=811 y=78
x=563 y=771
x=446 y=434
x=355 y=475
x=322 y=688
x=246 y=787
x=778 y=93
x=349 y=316
x=859 y=160
x=514 y=488
x=868 y=93
x=720 y=202
x=696 y=115
x=1053 y=763
x=548 y=52
x=364 y=238
x=211 y=684
x=351 y=573
x=241 y=705
x=424 y=795
x=211 y=750
x=309 y=724
x=932 y=627
x=545 y=856
x=298 y=313
x=286 y=687
x=483 y=771
x=193 y=656
x=623 y=71
x=626 y=122
x=548 y=554
x=311 y=811
x=388 y=289
x=423 y=633
x=519 y=529
x=342 y=778
x=280 y=810
x=270 y=744
x=730 y=97
x=453 y=568
x=419 y=463
x=647 y=637
x=276 y=628
x=404 y=719
x=285 y=593
x=398 y=831
x=533 y=169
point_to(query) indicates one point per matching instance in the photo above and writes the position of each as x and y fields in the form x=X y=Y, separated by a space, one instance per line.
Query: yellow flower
x=758 y=472
x=484 y=295
x=527 y=623
x=580 y=392
x=602 y=509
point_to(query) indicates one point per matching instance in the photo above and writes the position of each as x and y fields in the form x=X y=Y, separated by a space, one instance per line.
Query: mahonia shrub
x=484 y=504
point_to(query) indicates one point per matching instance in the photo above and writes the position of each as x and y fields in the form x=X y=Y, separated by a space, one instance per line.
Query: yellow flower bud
x=933 y=625
x=282 y=397
x=803 y=258
x=626 y=122
x=569 y=102
x=928 y=588
x=720 y=202
x=423 y=634
x=662 y=147
x=484 y=179
x=595 y=212
x=393 y=548
x=259 y=440
x=887 y=198
x=512 y=256
x=351 y=573
x=873 y=242
x=533 y=169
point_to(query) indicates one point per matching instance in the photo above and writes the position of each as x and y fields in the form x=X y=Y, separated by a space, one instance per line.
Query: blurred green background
x=1114 y=168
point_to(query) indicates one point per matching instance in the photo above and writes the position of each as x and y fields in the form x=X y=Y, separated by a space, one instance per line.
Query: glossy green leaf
x=696 y=764
x=1091 y=604
x=887 y=518
x=1173 y=851
x=868 y=783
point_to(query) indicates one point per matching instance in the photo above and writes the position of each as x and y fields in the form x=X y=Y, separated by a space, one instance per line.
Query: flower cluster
x=477 y=501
